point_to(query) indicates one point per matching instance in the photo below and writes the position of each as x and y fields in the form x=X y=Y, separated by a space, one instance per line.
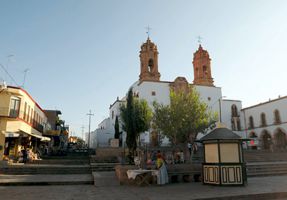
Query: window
x=234 y=112
x=251 y=122
x=35 y=118
x=113 y=114
x=277 y=119
x=150 y=65
x=28 y=114
x=14 y=107
x=32 y=117
x=153 y=93
x=204 y=71
x=263 y=119
x=25 y=108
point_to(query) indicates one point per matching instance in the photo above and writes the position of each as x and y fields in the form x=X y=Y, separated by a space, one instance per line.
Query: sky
x=81 y=55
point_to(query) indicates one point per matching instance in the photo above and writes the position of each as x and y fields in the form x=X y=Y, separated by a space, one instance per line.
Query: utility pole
x=90 y=114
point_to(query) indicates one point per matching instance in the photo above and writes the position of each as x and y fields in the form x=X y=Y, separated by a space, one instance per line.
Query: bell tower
x=202 y=68
x=149 y=62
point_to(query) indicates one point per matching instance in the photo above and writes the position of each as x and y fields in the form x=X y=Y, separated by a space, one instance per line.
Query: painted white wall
x=145 y=89
x=268 y=108
x=102 y=135
x=226 y=105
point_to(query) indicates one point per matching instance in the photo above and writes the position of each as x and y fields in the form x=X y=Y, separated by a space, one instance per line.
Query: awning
x=44 y=139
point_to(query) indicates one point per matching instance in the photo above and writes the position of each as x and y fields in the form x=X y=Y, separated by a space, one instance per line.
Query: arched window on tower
x=150 y=65
x=234 y=112
x=251 y=123
x=204 y=71
x=263 y=119
x=235 y=120
x=277 y=119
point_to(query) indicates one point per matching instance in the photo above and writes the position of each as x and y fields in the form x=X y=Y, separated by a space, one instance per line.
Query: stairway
x=264 y=156
x=266 y=169
x=103 y=163
x=56 y=170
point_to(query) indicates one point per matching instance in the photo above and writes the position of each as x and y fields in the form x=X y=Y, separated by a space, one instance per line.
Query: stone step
x=103 y=166
x=258 y=174
x=22 y=180
x=66 y=162
x=46 y=169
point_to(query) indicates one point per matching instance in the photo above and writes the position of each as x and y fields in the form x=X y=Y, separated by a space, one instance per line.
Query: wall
x=226 y=112
x=268 y=108
x=146 y=88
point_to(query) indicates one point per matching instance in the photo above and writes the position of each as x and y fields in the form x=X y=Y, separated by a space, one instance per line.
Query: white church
x=265 y=123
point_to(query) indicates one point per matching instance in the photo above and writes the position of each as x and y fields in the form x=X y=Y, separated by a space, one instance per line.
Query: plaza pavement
x=274 y=187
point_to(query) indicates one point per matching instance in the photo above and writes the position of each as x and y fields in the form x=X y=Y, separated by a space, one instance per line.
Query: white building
x=266 y=123
x=151 y=88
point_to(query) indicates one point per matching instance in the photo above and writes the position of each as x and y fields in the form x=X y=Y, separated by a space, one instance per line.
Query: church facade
x=151 y=88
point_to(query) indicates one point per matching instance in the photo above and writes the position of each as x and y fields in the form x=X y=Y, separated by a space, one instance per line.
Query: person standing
x=162 y=177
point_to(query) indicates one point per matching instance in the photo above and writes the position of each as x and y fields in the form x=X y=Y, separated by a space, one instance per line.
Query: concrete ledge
x=104 y=179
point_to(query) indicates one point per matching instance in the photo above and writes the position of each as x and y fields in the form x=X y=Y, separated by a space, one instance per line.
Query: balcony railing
x=7 y=112
x=12 y=113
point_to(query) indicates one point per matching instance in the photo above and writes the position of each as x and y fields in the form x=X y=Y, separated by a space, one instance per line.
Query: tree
x=117 y=128
x=184 y=118
x=136 y=117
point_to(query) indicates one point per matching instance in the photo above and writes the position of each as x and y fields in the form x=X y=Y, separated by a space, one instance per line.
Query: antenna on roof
x=5 y=70
x=25 y=74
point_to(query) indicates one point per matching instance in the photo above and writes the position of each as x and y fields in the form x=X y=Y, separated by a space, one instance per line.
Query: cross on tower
x=199 y=39
x=148 y=30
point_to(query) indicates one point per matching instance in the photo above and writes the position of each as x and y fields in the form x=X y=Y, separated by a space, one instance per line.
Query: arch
x=251 y=122
x=263 y=119
x=204 y=70
x=150 y=65
x=266 y=140
x=280 y=141
x=234 y=112
x=277 y=119
x=254 y=140
x=252 y=134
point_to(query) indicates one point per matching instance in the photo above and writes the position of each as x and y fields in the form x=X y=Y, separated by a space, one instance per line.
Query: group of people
x=26 y=154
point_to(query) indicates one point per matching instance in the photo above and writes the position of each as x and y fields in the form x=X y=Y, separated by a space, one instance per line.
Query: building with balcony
x=22 y=122
x=58 y=133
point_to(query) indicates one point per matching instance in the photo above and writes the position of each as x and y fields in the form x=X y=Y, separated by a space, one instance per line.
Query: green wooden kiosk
x=223 y=158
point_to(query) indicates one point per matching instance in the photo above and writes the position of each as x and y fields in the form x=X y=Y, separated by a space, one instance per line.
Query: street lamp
x=90 y=114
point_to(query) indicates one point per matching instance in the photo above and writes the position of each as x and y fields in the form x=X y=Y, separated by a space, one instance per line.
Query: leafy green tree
x=136 y=117
x=184 y=118
x=117 y=128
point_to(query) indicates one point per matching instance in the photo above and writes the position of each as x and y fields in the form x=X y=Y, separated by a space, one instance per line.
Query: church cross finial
x=199 y=39
x=148 y=30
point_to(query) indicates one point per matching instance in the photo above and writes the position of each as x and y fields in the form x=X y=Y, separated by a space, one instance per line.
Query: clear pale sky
x=81 y=55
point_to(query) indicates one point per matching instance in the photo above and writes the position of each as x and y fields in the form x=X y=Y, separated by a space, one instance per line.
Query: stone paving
x=180 y=191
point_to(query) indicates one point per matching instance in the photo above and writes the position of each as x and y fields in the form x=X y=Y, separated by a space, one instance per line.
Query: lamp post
x=90 y=114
